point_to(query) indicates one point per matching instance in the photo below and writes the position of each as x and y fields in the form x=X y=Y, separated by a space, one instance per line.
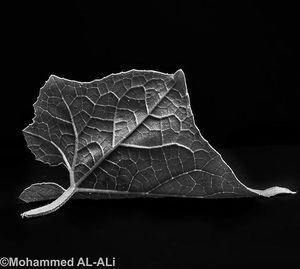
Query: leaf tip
x=23 y=196
x=273 y=191
x=179 y=74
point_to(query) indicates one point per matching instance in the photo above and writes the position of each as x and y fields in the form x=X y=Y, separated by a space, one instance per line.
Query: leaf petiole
x=49 y=208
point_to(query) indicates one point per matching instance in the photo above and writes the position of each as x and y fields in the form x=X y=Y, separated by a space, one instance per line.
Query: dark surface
x=242 y=69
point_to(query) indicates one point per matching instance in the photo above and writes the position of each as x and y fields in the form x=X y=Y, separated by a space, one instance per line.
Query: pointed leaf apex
x=179 y=74
x=272 y=191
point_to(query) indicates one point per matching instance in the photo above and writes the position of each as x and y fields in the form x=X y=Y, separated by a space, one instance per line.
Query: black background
x=242 y=69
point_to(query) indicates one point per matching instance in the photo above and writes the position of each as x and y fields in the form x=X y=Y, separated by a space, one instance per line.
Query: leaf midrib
x=116 y=146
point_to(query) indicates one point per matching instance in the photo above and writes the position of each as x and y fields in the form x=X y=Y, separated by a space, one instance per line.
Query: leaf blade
x=131 y=134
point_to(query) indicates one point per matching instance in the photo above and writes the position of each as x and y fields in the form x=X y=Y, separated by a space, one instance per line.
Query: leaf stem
x=47 y=209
